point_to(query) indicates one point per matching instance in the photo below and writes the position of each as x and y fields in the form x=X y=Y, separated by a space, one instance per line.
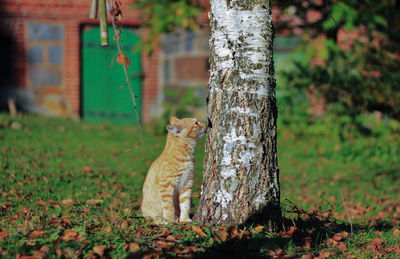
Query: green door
x=105 y=95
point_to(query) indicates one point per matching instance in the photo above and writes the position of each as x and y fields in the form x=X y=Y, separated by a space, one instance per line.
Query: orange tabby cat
x=167 y=189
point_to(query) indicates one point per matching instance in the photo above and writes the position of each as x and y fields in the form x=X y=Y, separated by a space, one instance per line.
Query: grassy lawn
x=72 y=189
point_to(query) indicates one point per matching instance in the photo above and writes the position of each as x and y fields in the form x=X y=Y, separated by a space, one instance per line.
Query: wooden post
x=103 y=23
x=93 y=9
x=12 y=107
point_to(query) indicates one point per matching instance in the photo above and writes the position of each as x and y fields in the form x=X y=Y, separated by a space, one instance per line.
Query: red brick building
x=49 y=49
x=41 y=56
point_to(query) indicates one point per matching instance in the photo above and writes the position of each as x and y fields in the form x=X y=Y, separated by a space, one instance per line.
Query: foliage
x=364 y=79
x=164 y=16
x=351 y=57
x=71 y=189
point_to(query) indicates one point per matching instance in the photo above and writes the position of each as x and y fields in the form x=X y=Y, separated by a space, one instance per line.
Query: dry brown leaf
x=45 y=249
x=291 y=230
x=91 y=256
x=134 y=247
x=341 y=246
x=376 y=242
x=94 y=202
x=198 y=231
x=86 y=169
x=337 y=237
x=3 y=234
x=99 y=249
x=326 y=254
x=31 y=243
x=70 y=235
x=66 y=221
x=25 y=256
x=308 y=242
x=258 y=228
x=42 y=203
x=307 y=256
x=344 y=234
x=35 y=234
x=163 y=244
x=68 y=202
x=164 y=233
x=223 y=234
x=58 y=251
x=38 y=254
x=234 y=232
x=147 y=256
x=170 y=237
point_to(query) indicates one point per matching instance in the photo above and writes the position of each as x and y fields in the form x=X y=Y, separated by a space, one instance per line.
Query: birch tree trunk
x=241 y=176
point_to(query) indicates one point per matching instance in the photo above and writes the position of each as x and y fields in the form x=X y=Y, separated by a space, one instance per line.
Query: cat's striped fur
x=167 y=189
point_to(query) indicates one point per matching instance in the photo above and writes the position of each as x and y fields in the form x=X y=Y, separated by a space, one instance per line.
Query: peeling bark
x=241 y=176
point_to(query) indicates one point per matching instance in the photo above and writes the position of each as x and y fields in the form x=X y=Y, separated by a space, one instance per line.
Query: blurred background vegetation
x=345 y=69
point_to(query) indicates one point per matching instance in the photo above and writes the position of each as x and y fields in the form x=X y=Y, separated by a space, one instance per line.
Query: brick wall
x=44 y=41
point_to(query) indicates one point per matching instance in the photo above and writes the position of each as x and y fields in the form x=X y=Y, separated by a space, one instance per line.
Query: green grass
x=70 y=188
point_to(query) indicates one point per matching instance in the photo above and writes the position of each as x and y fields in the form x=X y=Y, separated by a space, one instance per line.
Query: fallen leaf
x=25 y=256
x=68 y=202
x=341 y=246
x=147 y=256
x=66 y=221
x=31 y=243
x=3 y=234
x=94 y=202
x=326 y=254
x=99 y=249
x=276 y=253
x=118 y=186
x=170 y=237
x=376 y=242
x=258 y=228
x=164 y=244
x=35 y=234
x=164 y=233
x=337 y=237
x=86 y=169
x=198 y=230
x=91 y=256
x=307 y=256
x=70 y=235
x=308 y=242
x=45 y=249
x=42 y=203
x=134 y=247
x=291 y=230
x=58 y=251
x=234 y=232
x=223 y=234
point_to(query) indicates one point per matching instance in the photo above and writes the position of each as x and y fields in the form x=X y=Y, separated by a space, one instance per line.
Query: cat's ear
x=174 y=129
x=173 y=120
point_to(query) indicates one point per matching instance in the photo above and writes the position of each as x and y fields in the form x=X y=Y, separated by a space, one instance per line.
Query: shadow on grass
x=313 y=234
x=309 y=233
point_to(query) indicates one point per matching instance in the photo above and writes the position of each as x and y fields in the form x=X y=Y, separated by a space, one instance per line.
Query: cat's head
x=186 y=128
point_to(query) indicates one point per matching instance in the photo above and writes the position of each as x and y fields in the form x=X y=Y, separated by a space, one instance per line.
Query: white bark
x=240 y=171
